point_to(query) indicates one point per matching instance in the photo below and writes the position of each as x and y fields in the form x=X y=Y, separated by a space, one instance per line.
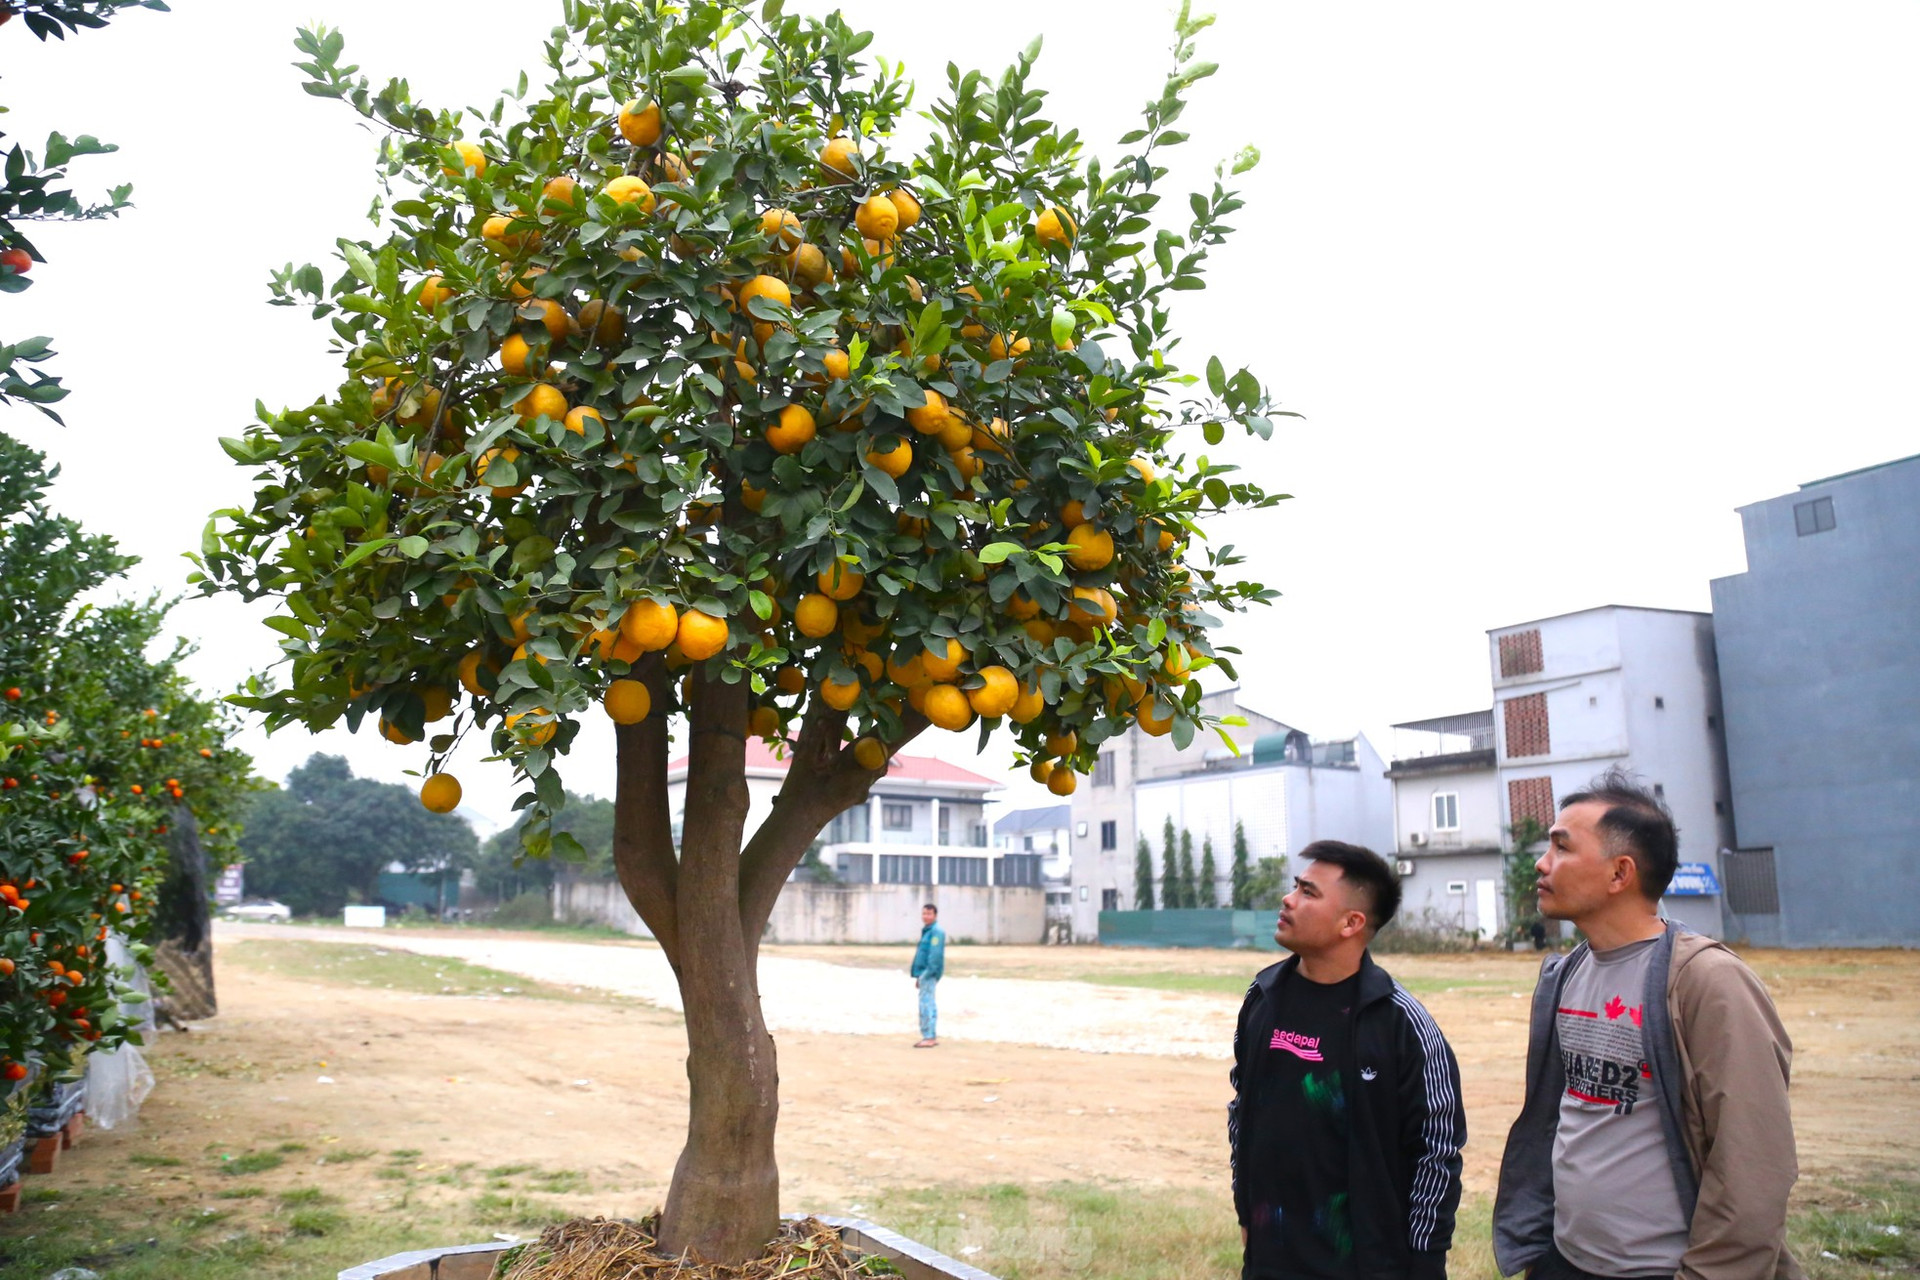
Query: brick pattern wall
x=1520 y=654
x=1527 y=726
x=1530 y=798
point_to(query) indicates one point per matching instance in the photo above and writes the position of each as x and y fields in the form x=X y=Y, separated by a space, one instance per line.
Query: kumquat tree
x=685 y=389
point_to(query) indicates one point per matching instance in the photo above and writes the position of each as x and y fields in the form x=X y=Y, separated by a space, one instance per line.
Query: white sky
x=1557 y=287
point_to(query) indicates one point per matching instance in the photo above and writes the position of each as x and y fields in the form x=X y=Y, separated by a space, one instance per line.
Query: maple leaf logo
x=1634 y=1013
x=1615 y=1007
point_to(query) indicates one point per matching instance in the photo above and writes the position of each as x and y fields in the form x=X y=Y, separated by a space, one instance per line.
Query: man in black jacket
x=1346 y=1122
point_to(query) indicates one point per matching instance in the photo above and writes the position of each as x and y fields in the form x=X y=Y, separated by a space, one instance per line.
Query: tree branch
x=643 y=854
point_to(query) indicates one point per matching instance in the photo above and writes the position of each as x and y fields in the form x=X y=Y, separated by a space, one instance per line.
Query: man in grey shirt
x=1655 y=1140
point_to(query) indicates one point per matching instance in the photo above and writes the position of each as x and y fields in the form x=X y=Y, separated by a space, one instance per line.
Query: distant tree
x=1522 y=879
x=1169 y=869
x=1189 y=879
x=1209 y=876
x=323 y=839
x=1268 y=884
x=1242 y=873
x=503 y=871
x=1142 y=876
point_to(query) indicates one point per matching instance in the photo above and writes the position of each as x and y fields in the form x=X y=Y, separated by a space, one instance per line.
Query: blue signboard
x=1693 y=880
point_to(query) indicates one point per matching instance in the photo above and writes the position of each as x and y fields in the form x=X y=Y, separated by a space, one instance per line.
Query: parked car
x=259 y=909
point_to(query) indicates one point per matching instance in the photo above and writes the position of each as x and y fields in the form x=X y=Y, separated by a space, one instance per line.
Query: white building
x=1043 y=832
x=1639 y=688
x=1286 y=789
x=1447 y=827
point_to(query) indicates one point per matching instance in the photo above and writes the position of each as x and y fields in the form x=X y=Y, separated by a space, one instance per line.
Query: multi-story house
x=1448 y=838
x=1617 y=685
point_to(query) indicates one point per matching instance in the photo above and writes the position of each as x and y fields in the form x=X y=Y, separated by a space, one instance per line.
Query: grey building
x=1819 y=646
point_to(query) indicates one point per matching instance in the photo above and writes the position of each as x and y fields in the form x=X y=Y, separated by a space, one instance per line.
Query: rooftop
x=1464 y=722
x=1598 y=608
x=1051 y=817
x=1860 y=471
x=925 y=770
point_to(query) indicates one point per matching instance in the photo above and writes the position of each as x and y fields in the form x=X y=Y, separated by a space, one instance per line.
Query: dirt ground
x=596 y=1084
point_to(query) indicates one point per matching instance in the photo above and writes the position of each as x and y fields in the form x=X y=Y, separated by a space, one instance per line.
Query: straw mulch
x=620 y=1249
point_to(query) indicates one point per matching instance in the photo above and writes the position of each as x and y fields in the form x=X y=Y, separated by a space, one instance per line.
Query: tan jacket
x=1735 y=1060
x=1720 y=1060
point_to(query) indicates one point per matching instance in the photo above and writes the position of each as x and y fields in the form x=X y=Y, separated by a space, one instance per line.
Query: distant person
x=1346 y=1122
x=929 y=963
x=1655 y=1139
x=1538 y=932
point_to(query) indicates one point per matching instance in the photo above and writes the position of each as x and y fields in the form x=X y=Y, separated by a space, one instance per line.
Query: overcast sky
x=1556 y=287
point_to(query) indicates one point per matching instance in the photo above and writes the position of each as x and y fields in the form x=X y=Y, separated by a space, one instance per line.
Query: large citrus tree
x=683 y=389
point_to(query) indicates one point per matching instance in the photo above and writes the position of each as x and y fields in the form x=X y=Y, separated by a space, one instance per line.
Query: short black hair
x=1379 y=887
x=928 y=906
x=1637 y=823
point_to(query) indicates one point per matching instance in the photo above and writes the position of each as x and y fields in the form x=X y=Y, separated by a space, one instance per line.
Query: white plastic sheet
x=117 y=1083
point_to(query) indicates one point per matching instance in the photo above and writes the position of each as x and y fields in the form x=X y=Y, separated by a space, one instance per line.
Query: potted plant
x=679 y=388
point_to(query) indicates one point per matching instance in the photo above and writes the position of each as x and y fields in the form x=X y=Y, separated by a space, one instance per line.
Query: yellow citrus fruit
x=772 y=288
x=911 y=674
x=764 y=723
x=997 y=696
x=870 y=754
x=895 y=460
x=1054 y=226
x=538 y=732
x=840 y=156
x=1063 y=743
x=541 y=401
x=808 y=264
x=433 y=292
x=1074 y=513
x=1144 y=468
x=815 y=615
x=842 y=582
x=627 y=701
x=562 y=190
x=790 y=679
x=956 y=433
x=440 y=793
x=840 y=696
x=942 y=659
x=1027 y=707
x=1039 y=629
x=558 y=323
x=651 y=624
x=577 y=418
x=640 y=123
x=929 y=417
x=877 y=218
x=470 y=156
x=438 y=701
x=751 y=498
x=837 y=364
x=858 y=630
x=1040 y=770
x=780 y=225
x=607 y=324
x=1062 y=781
x=991 y=438
x=521 y=654
x=521 y=633
x=394 y=733
x=947 y=708
x=627 y=189
x=701 y=634
x=470 y=673
x=791 y=433
x=997 y=347
x=1020 y=606
x=1148 y=722
x=1092 y=607
x=967 y=462
x=517 y=357
x=1176 y=665
x=905 y=207
x=1092 y=548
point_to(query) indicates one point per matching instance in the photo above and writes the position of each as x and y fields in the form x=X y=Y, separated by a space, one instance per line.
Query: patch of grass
x=370 y=965
x=1861 y=1230
x=348 y=1155
x=404 y=1153
x=201 y=1219
x=32 y=1194
x=516 y=1209
x=252 y=1162
x=315 y=1222
x=240 y=1193
x=509 y=1170
x=561 y=1181
x=153 y=1160
x=291 y=1146
x=391 y=1173
x=305 y=1195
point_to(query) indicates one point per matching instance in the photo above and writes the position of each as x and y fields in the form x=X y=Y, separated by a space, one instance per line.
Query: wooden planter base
x=475 y=1261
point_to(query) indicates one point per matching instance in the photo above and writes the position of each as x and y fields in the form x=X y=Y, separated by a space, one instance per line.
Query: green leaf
x=413 y=547
x=997 y=552
x=358 y=259
x=364 y=550
x=1216 y=376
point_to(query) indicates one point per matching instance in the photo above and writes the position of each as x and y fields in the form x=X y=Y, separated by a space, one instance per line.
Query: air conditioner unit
x=1403 y=866
x=1417 y=839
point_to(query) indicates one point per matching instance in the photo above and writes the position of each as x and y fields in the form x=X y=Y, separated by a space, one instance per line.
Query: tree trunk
x=184 y=950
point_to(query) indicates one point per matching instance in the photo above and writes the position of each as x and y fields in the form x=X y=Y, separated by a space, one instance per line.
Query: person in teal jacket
x=929 y=963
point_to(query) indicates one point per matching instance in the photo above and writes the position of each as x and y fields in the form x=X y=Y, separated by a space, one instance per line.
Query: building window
x=946 y=816
x=963 y=870
x=1110 y=835
x=851 y=827
x=897 y=817
x=1446 y=811
x=1530 y=798
x=1015 y=870
x=977 y=835
x=1752 y=888
x=1026 y=843
x=1659 y=703
x=1109 y=899
x=1659 y=792
x=1813 y=517
x=1520 y=654
x=1103 y=769
x=902 y=868
x=1526 y=722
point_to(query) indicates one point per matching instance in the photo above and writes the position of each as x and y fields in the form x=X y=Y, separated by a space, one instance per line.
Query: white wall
x=818 y=913
x=1478 y=809
x=1425 y=897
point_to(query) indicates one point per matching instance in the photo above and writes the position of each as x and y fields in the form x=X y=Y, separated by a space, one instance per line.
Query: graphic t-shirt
x=1295 y=1135
x=1616 y=1211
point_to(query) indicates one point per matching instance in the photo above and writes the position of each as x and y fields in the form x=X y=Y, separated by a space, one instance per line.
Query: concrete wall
x=596 y=902
x=820 y=913
x=1427 y=900
x=1819 y=650
x=1478 y=809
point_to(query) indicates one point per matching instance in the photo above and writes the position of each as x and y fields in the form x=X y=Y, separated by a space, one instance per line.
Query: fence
x=1218 y=927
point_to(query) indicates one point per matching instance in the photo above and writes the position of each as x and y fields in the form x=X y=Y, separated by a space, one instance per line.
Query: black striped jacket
x=1407 y=1122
